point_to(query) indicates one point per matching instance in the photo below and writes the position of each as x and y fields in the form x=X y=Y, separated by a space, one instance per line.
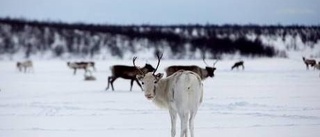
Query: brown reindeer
x=26 y=66
x=127 y=72
x=81 y=65
x=202 y=72
x=238 y=64
x=308 y=62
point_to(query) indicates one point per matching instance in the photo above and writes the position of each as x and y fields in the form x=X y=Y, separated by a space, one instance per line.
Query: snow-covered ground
x=271 y=97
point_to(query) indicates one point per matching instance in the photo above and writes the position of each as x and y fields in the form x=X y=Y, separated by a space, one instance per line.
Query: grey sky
x=306 y=12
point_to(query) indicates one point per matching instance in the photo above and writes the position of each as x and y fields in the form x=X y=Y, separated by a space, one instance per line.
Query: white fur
x=181 y=93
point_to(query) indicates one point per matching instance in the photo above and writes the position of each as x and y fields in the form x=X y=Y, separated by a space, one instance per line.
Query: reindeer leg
x=74 y=71
x=131 y=84
x=173 y=116
x=114 y=78
x=139 y=84
x=191 y=122
x=109 y=79
x=184 y=123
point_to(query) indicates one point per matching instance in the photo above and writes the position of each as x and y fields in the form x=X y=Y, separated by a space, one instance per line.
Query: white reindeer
x=25 y=66
x=181 y=93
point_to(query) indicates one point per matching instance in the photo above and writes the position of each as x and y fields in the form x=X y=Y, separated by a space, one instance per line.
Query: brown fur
x=308 y=62
x=127 y=72
x=202 y=72
x=237 y=65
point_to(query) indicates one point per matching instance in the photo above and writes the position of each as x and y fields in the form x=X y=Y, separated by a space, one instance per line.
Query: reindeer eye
x=155 y=82
x=142 y=83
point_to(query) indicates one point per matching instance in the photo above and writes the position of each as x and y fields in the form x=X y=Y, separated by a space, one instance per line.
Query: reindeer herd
x=129 y=72
x=181 y=91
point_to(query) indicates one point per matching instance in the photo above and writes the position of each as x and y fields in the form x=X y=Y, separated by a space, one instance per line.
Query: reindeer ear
x=139 y=77
x=159 y=76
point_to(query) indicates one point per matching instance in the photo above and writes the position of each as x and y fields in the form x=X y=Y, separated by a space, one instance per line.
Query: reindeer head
x=150 y=83
x=149 y=80
x=19 y=66
x=148 y=68
x=209 y=69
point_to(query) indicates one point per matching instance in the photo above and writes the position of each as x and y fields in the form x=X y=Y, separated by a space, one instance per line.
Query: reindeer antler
x=134 y=64
x=204 y=61
x=159 y=56
x=215 y=63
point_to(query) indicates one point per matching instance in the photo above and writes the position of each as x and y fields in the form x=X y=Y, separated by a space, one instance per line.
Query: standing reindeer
x=202 y=72
x=308 y=62
x=81 y=65
x=317 y=66
x=238 y=64
x=25 y=66
x=127 y=72
x=181 y=92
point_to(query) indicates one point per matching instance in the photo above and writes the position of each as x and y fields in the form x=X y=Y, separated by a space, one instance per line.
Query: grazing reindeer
x=127 y=72
x=237 y=65
x=202 y=72
x=181 y=93
x=308 y=62
x=89 y=77
x=25 y=66
x=81 y=65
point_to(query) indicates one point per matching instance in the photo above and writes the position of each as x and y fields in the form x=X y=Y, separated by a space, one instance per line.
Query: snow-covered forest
x=20 y=39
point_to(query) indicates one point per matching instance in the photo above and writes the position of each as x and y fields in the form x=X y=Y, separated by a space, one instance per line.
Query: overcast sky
x=303 y=12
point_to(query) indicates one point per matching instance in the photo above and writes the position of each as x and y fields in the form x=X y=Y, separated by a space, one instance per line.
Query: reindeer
x=81 y=65
x=89 y=77
x=127 y=72
x=181 y=92
x=237 y=65
x=202 y=72
x=25 y=66
x=317 y=66
x=308 y=62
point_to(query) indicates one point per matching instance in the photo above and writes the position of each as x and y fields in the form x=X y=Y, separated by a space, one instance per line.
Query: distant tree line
x=88 y=40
